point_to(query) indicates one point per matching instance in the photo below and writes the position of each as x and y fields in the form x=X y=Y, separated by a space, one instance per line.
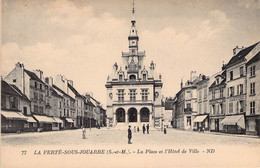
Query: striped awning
x=58 y=120
x=10 y=115
x=69 y=120
x=44 y=119
x=200 y=118
x=238 y=120
x=30 y=120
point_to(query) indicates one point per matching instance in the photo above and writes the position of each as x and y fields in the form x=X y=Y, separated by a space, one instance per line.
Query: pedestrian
x=143 y=129
x=164 y=130
x=137 y=128
x=134 y=128
x=147 y=128
x=83 y=133
x=129 y=135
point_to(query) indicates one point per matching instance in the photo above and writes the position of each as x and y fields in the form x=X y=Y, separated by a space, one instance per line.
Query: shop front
x=253 y=125
x=59 y=123
x=44 y=123
x=30 y=125
x=12 y=121
x=69 y=123
x=201 y=123
x=234 y=124
x=215 y=125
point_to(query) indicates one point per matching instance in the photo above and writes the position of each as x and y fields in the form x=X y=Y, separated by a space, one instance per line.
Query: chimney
x=47 y=80
x=70 y=82
x=51 y=81
x=115 y=66
x=39 y=73
x=181 y=83
x=237 y=49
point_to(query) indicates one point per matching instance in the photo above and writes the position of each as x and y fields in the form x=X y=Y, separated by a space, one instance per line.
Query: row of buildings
x=228 y=101
x=30 y=102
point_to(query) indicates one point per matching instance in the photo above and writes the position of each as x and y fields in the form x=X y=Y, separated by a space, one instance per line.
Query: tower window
x=133 y=30
x=144 y=76
x=132 y=77
x=120 y=77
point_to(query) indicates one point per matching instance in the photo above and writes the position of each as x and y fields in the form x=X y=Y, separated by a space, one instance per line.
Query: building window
x=213 y=94
x=35 y=108
x=35 y=84
x=188 y=105
x=213 y=109
x=200 y=108
x=252 y=88
x=132 y=94
x=41 y=86
x=252 y=107
x=132 y=77
x=231 y=91
x=205 y=93
x=120 y=77
x=221 y=93
x=241 y=89
x=200 y=95
x=67 y=102
x=230 y=107
x=12 y=103
x=121 y=95
x=221 y=108
x=231 y=75
x=252 y=71
x=35 y=95
x=237 y=107
x=205 y=107
x=14 y=80
x=144 y=76
x=241 y=71
x=144 y=94
x=40 y=109
x=41 y=97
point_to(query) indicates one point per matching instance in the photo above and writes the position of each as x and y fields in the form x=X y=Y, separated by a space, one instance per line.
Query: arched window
x=132 y=77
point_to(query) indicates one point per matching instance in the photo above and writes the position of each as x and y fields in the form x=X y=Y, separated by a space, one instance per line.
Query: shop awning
x=44 y=119
x=200 y=118
x=31 y=120
x=58 y=120
x=69 y=120
x=10 y=115
x=234 y=120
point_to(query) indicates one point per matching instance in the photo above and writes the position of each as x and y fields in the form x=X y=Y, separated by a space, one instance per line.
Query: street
x=109 y=148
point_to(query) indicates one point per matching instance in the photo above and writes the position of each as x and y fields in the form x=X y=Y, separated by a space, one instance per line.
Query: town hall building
x=133 y=89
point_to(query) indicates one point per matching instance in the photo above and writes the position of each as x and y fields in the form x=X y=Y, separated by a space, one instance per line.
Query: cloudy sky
x=82 y=39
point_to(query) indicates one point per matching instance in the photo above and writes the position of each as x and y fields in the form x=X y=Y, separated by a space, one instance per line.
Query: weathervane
x=133 y=11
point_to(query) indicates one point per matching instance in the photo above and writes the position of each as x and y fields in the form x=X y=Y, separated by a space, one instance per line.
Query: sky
x=82 y=39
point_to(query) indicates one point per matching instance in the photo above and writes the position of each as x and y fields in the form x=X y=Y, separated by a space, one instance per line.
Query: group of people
x=145 y=128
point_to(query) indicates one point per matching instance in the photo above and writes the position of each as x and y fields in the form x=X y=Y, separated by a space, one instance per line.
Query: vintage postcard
x=130 y=83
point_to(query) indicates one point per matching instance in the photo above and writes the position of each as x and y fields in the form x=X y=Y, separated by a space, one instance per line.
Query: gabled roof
x=240 y=55
x=53 y=92
x=8 y=89
x=61 y=91
x=75 y=91
x=254 y=59
x=33 y=76
x=20 y=92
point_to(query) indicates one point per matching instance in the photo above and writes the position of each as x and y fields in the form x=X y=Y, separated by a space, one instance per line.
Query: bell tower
x=133 y=37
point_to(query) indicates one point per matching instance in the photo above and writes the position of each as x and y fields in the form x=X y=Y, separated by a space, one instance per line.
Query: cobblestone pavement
x=106 y=136
x=202 y=149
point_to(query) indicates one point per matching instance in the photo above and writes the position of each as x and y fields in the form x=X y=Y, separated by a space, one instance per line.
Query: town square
x=106 y=84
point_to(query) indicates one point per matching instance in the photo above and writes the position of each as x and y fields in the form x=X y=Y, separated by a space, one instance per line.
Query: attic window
x=132 y=77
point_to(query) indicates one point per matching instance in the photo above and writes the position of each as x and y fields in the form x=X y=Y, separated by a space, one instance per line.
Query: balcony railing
x=133 y=101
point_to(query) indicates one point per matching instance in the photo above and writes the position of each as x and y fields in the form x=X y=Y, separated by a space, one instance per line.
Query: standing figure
x=143 y=129
x=129 y=135
x=137 y=128
x=83 y=133
x=147 y=128
x=164 y=130
x=134 y=128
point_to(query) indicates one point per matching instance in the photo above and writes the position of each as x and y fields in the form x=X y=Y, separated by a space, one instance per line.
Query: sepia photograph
x=130 y=83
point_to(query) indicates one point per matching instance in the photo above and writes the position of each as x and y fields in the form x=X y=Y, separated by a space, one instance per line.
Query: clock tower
x=133 y=37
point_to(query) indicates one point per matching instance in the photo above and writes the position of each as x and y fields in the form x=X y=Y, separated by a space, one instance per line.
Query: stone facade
x=133 y=90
